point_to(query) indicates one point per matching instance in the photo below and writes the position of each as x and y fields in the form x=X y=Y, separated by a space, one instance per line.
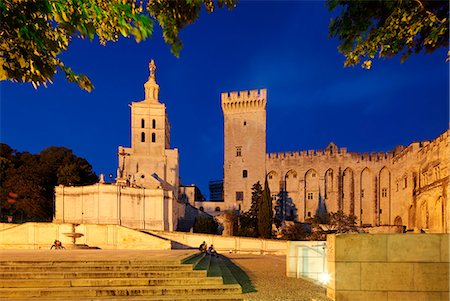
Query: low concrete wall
x=230 y=244
x=388 y=267
x=42 y=236
x=306 y=259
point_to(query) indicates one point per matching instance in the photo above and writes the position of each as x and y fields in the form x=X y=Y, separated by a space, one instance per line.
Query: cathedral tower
x=244 y=146
x=150 y=162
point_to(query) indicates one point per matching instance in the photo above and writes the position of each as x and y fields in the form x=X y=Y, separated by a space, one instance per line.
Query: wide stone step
x=86 y=262
x=150 y=298
x=56 y=268
x=83 y=292
x=92 y=282
x=103 y=274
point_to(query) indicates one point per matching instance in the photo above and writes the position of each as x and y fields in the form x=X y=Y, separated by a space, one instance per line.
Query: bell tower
x=149 y=156
x=244 y=146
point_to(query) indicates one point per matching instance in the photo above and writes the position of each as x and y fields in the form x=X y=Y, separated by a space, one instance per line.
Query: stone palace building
x=407 y=186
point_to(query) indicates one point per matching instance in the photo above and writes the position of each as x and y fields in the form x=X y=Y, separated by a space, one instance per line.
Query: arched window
x=153 y=137
x=217 y=209
x=153 y=124
x=142 y=123
x=244 y=173
x=142 y=137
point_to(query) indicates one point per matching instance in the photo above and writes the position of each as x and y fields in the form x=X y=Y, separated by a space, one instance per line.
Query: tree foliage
x=334 y=222
x=367 y=29
x=285 y=209
x=205 y=224
x=256 y=199
x=265 y=213
x=34 y=33
x=33 y=178
x=295 y=231
x=247 y=224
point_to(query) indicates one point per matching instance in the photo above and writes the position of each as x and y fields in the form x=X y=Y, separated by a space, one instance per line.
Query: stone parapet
x=342 y=152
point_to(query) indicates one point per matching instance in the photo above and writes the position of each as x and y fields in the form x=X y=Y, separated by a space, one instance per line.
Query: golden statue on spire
x=152 y=68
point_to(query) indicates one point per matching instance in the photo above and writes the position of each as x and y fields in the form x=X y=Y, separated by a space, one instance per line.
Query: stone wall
x=42 y=236
x=388 y=267
x=137 y=208
x=227 y=244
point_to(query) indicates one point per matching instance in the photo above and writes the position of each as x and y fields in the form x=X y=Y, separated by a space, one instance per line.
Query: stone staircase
x=197 y=278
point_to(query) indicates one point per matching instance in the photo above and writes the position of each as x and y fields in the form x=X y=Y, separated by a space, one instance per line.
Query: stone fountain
x=74 y=235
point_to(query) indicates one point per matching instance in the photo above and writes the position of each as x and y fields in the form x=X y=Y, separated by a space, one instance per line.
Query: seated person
x=57 y=245
x=203 y=247
x=212 y=251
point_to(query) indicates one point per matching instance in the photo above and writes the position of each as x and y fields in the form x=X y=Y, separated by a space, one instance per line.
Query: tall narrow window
x=153 y=137
x=239 y=195
x=142 y=123
x=142 y=137
x=244 y=173
x=384 y=192
x=362 y=193
x=238 y=151
x=310 y=196
x=153 y=124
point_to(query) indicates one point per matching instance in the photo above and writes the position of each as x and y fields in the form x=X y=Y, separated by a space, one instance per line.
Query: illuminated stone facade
x=145 y=194
x=408 y=186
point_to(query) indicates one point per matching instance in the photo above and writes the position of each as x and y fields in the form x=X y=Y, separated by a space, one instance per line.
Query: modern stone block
x=416 y=296
x=360 y=247
x=361 y=296
x=431 y=276
x=411 y=271
x=445 y=246
x=386 y=276
x=348 y=276
x=414 y=247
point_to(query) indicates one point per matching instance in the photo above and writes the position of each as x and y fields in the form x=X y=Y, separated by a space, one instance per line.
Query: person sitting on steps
x=57 y=245
x=212 y=251
x=202 y=248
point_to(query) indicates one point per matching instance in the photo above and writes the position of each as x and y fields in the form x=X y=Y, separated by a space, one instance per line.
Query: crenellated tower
x=244 y=145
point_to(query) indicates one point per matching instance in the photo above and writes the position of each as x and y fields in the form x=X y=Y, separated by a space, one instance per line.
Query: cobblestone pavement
x=268 y=277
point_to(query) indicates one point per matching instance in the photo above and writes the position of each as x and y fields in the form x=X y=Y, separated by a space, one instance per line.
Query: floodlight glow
x=324 y=278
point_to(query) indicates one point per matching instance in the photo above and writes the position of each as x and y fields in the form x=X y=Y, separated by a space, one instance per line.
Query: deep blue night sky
x=284 y=47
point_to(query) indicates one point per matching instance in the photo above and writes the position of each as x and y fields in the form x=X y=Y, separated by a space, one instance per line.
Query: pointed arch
x=291 y=180
x=367 y=199
x=311 y=180
x=384 y=196
x=411 y=217
x=398 y=221
x=438 y=216
x=273 y=180
x=330 y=188
x=423 y=218
x=348 y=193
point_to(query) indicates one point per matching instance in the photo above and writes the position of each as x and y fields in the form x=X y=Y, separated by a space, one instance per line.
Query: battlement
x=242 y=100
x=429 y=146
x=373 y=156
